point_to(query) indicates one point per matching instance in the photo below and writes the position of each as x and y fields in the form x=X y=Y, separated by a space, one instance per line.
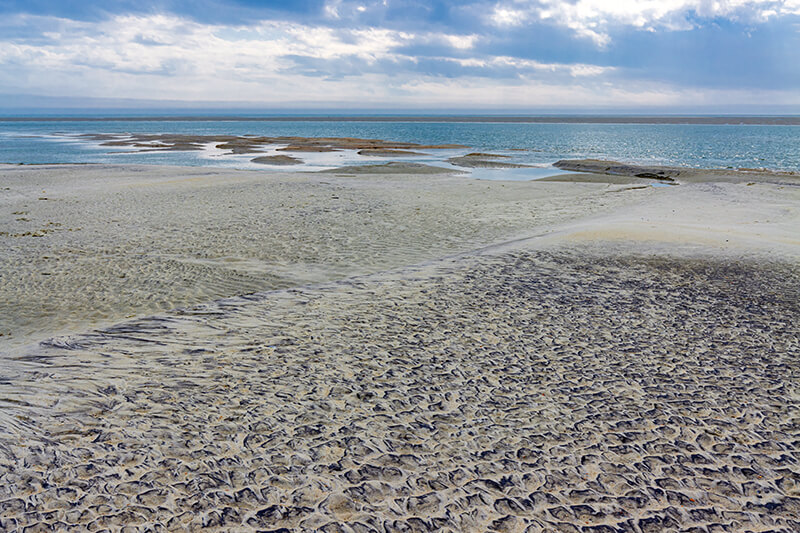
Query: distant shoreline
x=511 y=119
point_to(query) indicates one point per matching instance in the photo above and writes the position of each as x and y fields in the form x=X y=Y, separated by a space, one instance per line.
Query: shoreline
x=571 y=170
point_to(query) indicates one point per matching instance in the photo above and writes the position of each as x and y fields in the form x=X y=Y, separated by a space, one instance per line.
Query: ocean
x=701 y=145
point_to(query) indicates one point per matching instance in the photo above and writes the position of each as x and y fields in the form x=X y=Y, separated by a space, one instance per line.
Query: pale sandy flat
x=85 y=245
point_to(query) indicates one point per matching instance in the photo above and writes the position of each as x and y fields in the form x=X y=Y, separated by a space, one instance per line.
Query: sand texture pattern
x=416 y=353
x=89 y=245
x=527 y=391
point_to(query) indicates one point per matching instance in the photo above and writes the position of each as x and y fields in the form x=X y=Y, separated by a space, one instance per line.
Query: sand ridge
x=671 y=174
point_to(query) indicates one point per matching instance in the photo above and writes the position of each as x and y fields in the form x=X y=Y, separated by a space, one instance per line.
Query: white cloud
x=345 y=9
x=505 y=16
x=332 y=9
x=523 y=65
x=168 y=58
x=526 y=93
x=149 y=44
x=215 y=56
x=592 y=18
x=461 y=42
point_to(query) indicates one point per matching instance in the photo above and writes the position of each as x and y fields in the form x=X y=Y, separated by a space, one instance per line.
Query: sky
x=727 y=56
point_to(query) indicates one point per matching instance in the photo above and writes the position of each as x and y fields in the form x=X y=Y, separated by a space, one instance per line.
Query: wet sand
x=630 y=368
x=670 y=174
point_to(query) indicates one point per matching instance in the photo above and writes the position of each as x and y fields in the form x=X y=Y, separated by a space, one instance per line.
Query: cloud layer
x=596 y=19
x=512 y=54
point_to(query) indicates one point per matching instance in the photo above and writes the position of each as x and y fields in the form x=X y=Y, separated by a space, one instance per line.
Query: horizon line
x=574 y=118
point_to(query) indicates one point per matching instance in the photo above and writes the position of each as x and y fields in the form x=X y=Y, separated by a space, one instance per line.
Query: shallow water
x=540 y=145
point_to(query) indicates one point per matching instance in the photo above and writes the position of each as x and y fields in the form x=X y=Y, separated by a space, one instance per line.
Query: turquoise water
x=694 y=145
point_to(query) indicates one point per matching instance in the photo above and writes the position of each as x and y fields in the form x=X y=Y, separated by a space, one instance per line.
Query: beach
x=86 y=245
x=357 y=350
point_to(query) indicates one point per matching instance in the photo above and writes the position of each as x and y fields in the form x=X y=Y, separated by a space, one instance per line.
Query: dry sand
x=631 y=365
x=85 y=245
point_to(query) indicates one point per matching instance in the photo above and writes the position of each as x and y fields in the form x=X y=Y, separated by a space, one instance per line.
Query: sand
x=670 y=174
x=88 y=245
x=482 y=160
x=277 y=160
x=577 y=357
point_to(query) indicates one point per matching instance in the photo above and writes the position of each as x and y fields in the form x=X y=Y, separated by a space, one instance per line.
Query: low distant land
x=787 y=120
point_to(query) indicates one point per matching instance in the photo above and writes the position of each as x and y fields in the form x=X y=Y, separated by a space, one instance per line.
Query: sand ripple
x=531 y=391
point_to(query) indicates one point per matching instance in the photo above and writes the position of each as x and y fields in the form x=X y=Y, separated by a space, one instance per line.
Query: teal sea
x=768 y=146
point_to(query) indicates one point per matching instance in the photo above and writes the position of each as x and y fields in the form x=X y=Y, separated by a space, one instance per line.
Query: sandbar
x=483 y=160
x=679 y=174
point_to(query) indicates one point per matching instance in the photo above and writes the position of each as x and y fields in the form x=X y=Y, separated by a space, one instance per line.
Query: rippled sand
x=522 y=392
x=641 y=376
x=86 y=245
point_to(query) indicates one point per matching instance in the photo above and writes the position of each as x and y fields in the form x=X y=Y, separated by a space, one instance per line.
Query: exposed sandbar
x=683 y=174
x=251 y=143
x=481 y=160
x=277 y=160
